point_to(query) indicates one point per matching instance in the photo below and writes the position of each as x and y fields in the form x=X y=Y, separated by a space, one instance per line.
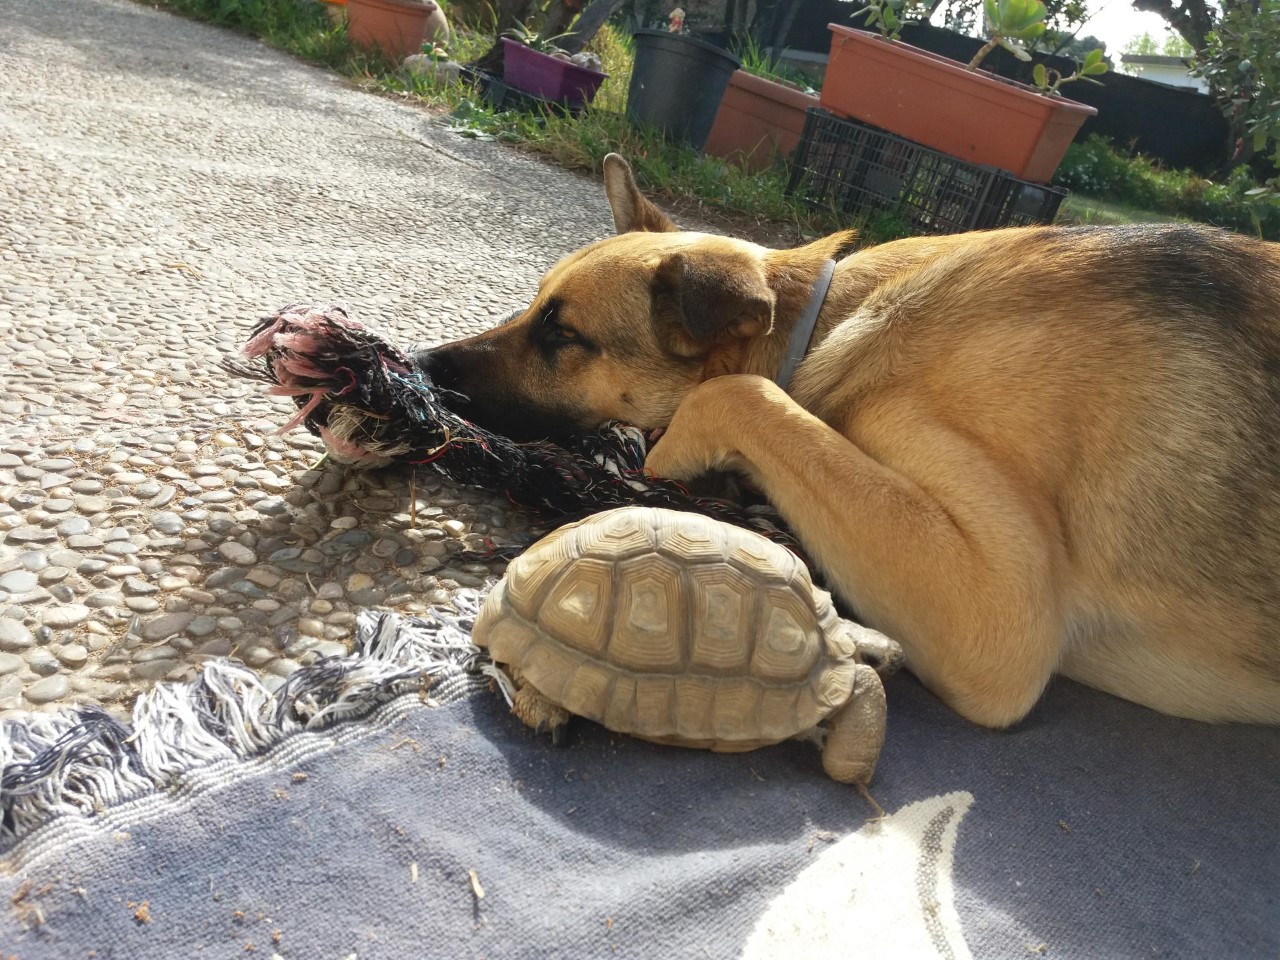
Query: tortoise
x=680 y=629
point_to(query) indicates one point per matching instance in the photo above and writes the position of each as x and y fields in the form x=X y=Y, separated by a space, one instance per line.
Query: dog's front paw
x=702 y=434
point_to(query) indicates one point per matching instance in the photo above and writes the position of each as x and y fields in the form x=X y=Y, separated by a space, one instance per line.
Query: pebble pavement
x=162 y=184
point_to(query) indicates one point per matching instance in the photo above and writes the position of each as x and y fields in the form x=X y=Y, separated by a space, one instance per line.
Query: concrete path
x=163 y=184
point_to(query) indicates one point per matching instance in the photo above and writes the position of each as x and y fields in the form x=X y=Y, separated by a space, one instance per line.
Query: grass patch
x=303 y=29
x=757 y=61
x=1080 y=209
x=1124 y=180
x=669 y=172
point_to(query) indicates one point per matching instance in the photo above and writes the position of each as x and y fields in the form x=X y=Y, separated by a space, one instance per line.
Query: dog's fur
x=1016 y=452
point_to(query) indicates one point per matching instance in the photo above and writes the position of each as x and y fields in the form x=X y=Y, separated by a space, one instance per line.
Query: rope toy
x=372 y=406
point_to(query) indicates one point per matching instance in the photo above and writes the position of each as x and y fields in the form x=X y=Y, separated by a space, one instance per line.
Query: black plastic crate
x=855 y=169
x=1019 y=203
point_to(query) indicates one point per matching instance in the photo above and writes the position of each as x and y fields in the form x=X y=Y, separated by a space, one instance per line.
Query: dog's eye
x=564 y=334
x=549 y=317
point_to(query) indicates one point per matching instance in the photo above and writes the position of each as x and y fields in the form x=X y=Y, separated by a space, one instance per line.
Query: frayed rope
x=81 y=760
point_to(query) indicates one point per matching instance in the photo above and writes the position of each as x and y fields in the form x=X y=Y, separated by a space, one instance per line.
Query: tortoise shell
x=672 y=627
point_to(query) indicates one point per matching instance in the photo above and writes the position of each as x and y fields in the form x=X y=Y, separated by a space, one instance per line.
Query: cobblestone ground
x=162 y=184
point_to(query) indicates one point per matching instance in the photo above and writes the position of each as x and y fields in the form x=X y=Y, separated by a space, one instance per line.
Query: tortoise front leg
x=853 y=744
x=536 y=711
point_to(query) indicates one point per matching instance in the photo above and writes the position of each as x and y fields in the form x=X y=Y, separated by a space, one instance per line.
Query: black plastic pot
x=677 y=83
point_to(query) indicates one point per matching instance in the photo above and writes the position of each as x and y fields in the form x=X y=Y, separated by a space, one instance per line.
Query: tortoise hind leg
x=853 y=743
x=536 y=711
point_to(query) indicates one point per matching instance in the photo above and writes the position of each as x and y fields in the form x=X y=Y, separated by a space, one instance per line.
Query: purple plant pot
x=548 y=77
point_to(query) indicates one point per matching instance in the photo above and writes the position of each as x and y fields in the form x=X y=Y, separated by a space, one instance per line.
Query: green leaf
x=1026 y=33
x=1093 y=69
x=1013 y=48
x=1018 y=15
x=1093 y=56
x=1259 y=139
x=1040 y=75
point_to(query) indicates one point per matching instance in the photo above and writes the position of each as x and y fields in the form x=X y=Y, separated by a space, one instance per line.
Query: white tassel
x=78 y=761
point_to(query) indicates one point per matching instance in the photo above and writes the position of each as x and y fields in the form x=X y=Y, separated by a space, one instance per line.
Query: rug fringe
x=81 y=760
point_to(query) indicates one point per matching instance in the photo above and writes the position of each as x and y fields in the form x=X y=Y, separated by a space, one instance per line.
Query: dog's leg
x=963 y=582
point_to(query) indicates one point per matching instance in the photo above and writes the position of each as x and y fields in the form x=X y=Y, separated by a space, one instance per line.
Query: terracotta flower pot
x=939 y=103
x=546 y=76
x=396 y=27
x=758 y=121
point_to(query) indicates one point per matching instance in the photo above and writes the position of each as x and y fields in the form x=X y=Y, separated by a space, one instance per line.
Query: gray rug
x=355 y=814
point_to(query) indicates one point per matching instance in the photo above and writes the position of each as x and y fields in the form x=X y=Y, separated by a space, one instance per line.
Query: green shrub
x=301 y=27
x=758 y=62
x=1098 y=168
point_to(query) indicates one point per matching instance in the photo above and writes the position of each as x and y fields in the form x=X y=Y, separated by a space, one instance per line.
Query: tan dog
x=1016 y=452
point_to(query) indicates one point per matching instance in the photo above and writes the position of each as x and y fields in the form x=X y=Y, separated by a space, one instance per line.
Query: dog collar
x=802 y=332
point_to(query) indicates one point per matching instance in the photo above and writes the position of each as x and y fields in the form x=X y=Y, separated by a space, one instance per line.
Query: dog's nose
x=438 y=366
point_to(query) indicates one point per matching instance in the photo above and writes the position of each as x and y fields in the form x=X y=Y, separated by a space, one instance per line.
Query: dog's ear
x=631 y=211
x=704 y=295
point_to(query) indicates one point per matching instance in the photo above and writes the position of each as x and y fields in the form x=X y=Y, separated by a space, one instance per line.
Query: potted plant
x=396 y=27
x=761 y=116
x=677 y=82
x=532 y=63
x=975 y=116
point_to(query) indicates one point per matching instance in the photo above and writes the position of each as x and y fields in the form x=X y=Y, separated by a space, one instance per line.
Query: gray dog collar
x=802 y=332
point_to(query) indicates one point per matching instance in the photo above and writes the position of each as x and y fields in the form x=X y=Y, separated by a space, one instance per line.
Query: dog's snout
x=438 y=366
x=472 y=379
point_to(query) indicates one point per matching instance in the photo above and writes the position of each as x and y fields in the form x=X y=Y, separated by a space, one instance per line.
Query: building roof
x=1155 y=61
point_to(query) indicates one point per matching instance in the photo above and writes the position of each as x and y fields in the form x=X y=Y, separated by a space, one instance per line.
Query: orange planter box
x=937 y=102
x=758 y=120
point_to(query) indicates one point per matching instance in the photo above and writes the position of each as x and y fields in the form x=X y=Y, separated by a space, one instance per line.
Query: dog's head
x=619 y=330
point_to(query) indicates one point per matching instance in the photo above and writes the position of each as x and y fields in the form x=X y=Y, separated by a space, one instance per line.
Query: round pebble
x=330 y=648
x=359 y=581
x=166 y=625
x=54 y=575
x=167 y=523
x=42 y=662
x=218 y=647
x=49 y=689
x=67 y=615
x=14 y=636
x=237 y=553
x=202 y=626
x=18 y=581
x=74 y=655
x=74 y=526
x=34 y=560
